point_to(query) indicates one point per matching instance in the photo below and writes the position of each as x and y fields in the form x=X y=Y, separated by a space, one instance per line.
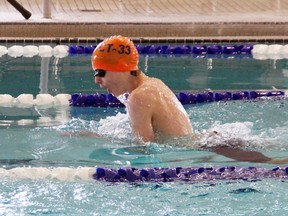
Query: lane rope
x=132 y=174
x=256 y=51
x=190 y=174
x=108 y=100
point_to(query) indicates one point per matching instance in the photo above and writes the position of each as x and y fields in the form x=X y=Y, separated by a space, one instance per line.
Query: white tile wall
x=148 y=18
x=151 y=11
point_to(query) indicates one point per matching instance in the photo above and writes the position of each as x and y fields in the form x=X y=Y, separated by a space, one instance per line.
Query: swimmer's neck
x=131 y=83
x=137 y=81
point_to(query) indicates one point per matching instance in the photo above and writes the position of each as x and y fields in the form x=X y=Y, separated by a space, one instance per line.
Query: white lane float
x=27 y=100
x=259 y=51
x=15 y=51
x=274 y=51
x=45 y=51
x=44 y=100
x=57 y=173
x=30 y=51
x=62 y=99
x=25 y=104
x=5 y=99
x=285 y=51
x=3 y=50
x=61 y=51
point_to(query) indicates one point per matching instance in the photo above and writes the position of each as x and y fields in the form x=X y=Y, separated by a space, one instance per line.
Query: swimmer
x=155 y=112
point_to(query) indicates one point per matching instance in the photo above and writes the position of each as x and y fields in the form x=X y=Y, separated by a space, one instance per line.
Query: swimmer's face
x=109 y=80
x=100 y=78
x=99 y=73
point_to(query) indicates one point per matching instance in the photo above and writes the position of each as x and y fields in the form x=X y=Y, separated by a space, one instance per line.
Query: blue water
x=37 y=137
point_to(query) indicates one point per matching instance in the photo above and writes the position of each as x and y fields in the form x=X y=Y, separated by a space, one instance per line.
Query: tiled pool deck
x=148 y=19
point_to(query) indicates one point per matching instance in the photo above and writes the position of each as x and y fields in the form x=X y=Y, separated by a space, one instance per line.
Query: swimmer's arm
x=141 y=118
x=232 y=148
x=240 y=154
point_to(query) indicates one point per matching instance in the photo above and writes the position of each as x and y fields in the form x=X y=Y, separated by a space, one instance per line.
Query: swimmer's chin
x=110 y=92
x=107 y=89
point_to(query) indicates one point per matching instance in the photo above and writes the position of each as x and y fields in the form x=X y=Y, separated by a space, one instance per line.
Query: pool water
x=74 y=74
x=39 y=137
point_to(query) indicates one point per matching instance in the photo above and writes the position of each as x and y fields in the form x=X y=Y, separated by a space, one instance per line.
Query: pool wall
x=167 y=19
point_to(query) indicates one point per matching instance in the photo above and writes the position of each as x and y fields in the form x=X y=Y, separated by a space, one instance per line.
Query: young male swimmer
x=155 y=112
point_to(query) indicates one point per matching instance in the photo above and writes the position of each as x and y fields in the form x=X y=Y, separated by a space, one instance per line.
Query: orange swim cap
x=117 y=54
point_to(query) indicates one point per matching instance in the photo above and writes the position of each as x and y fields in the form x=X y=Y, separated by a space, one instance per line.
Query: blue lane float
x=79 y=49
x=108 y=100
x=95 y=100
x=176 y=49
x=191 y=174
x=255 y=51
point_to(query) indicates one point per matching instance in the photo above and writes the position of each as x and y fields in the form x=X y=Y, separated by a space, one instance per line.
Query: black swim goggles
x=99 y=73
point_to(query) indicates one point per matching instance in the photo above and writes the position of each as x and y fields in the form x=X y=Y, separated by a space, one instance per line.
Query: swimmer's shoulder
x=144 y=95
x=140 y=95
x=148 y=88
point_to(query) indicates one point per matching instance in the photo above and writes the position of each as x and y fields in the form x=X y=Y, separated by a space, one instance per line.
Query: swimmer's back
x=167 y=114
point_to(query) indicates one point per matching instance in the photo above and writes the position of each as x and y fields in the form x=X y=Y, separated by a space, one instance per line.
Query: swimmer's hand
x=83 y=133
x=278 y=161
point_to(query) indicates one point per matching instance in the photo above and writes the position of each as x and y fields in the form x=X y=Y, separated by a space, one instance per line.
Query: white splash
x=116 y=126
x=244 y=131
x=234 y=130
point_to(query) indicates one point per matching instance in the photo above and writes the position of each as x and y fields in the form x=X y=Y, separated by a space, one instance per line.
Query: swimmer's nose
x=98 y=80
